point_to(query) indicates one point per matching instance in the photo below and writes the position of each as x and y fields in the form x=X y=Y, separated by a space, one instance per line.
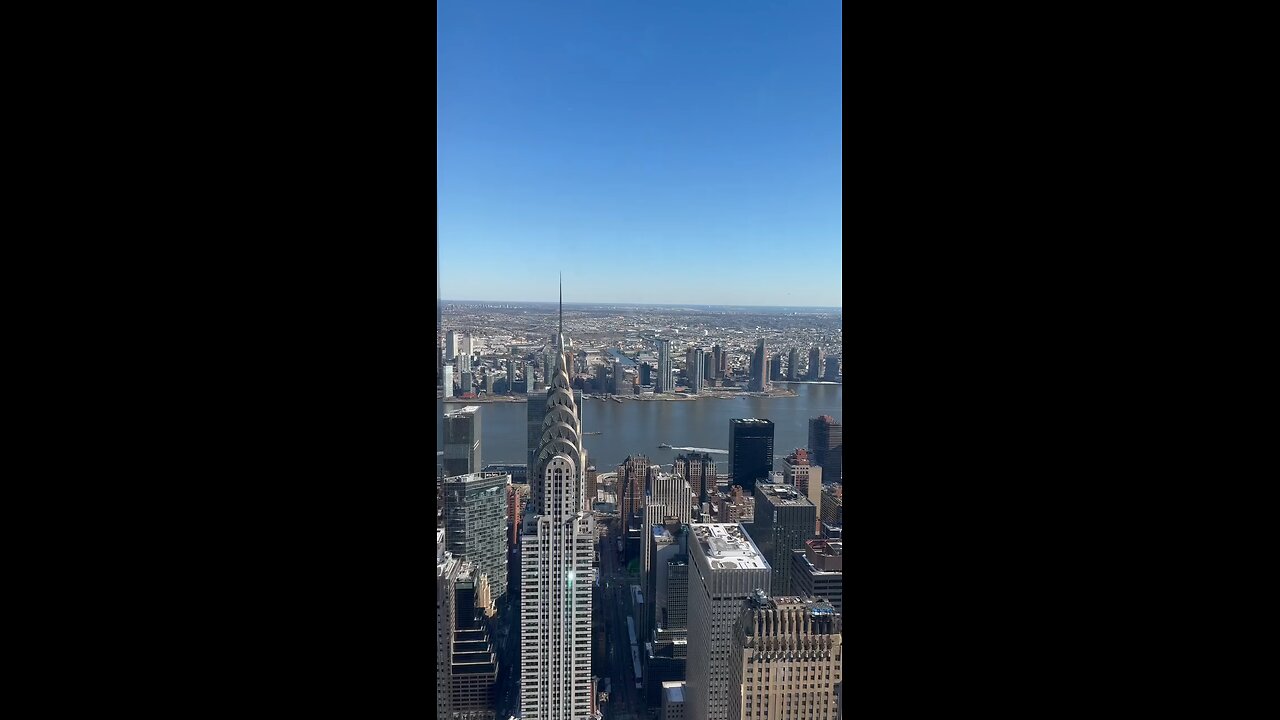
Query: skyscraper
x=759 y=381
x=462 y=441
x=620 y=384
x=815 y=363
x=833 y=368
x=536 y=412
x=750 y=451
x=784 y=520
x=674 y=493
x=474 y=663
x=632 y=478
x=709 y=369
x=447 y=567
x=666 y=382
x=793 y=360
x=511 y=376
x=695 y=377
x=667 y=612
x=725 y=569
x=475 y=508
x=447 y=382
x=786 y=660
x=775 y=367
x=700 y=470
x=556 y=574
x=805 y=478
x=826 y=442
x=817 y=570
x=451 y=345
x=718 y=359
x=832 y=507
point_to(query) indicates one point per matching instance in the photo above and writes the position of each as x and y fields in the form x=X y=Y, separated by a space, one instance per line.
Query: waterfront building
x=826 y=440
x=750 y=451
x=775 y=367
x=511 y=376
x=466 y=382
x=833 y=368
x=725 y=568
x=447 y=382
x=666 y=382
x=557 y=550
x=475 y=510
x=709 y=370
x=784 y=519
x=462 y=441
x=759 y=377
x=793 y=361
x=786 y=660
x=695 y=367
x=815 y=363
x=818 y=571
x=646 y=374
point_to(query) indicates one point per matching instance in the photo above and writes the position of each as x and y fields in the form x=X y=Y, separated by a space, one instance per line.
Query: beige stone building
x=786 y=660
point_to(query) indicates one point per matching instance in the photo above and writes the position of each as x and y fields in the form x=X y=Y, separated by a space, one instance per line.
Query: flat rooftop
x=464 y=410
x=727 y=546
x=782 y=495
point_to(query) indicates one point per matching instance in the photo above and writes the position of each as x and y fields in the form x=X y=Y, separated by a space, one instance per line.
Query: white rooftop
x=727 y=546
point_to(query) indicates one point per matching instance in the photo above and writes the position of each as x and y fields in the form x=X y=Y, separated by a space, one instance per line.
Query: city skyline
x=701 y=137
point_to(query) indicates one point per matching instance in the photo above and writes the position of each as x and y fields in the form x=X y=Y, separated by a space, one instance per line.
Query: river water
x=640 y=426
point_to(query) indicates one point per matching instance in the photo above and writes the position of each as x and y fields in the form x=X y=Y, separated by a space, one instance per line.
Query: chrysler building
x=557 y=547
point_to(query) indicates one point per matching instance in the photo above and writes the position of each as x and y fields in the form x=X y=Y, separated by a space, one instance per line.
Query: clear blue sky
x=655 y=152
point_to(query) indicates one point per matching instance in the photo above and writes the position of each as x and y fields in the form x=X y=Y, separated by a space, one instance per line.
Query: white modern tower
x=725 y=568
x=556 y=575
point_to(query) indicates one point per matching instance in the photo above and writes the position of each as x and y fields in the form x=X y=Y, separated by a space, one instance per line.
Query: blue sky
x=655 y=152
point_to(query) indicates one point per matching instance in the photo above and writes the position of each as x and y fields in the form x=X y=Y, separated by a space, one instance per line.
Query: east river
x=640 y=426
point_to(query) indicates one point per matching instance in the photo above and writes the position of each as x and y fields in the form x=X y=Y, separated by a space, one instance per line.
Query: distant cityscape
x=638 y=590
x=500 y=352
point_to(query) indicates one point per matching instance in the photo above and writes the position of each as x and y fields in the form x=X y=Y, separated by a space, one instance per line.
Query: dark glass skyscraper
x=826 y=440
x=759 y=369
x=462 y=441
x=750 y=451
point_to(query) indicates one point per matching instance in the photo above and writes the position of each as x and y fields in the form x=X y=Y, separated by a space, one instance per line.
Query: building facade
x=805 y=478
x=815 y=363
x=700 y=470
x=793 y=361
x=786 y=660
x=462 y=453
x=725 y=568
x=557 y=551
x=759 y=381
x=784 y=520
x=666 y=382
x=475 y=512
x=818 y=571
x=750 y=451
x=826 y=440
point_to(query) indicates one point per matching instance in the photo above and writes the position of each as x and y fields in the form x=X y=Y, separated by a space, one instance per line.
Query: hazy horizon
x=567 y=303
